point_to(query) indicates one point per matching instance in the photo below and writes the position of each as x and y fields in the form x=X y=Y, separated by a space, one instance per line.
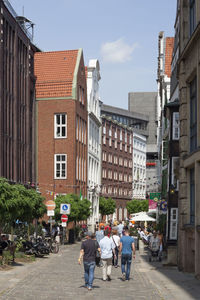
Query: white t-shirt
x=106 y=246
x=116 y=238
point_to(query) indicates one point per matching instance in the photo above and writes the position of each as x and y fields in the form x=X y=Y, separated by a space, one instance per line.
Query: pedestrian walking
x=107 y=249
x=116 y=240
x=120 y=228
x=100 y=234
x=88 y=252
x=127 y=248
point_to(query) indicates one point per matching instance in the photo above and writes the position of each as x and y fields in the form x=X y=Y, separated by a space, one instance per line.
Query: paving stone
x=60 y=277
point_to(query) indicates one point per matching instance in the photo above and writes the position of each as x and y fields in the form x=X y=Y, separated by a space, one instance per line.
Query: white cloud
x=117 y=51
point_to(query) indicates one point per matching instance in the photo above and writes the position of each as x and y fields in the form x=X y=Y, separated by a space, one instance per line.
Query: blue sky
x=122 y=34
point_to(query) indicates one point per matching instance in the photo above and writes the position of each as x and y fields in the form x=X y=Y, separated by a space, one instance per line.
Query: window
x=115 y=175
x=192 y=197
x=125 y=147
x=110 y=131
x=116 y=134
x=130 y=178
x=130 y=163
x=109 y=190
x=85 y=132
x=110 y=158
x=115 y=190
x=130 y=139
x=77 y=168
x=130 y=149
x=104 y=156
x=121 y=161
x=104 y=129
x=173 y=223
x=115 y=144
x=175 y=172
x=193 y=115
x=60 y=162
x=104 y=173
x=60 y=126
x=120 y=135
x=125 y=137
x=80 y=122
x=125 y=162
x=176 y=131
x=81 y=95
x=120 y=191
x=77 y=128
x=120 y=146
x=104 y=190
x=82 y=133
x=125 y=177
x=115 y=160
x=192 y=16
x=104 y=140
x=120 y=176
x=110 y=142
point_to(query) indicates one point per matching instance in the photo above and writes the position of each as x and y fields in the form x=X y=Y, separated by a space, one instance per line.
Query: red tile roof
x=55 y=72
x=168 y=55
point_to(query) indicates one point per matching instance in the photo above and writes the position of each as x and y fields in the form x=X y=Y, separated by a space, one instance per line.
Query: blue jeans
x=89 y=273
x=126 y=260
x=115 y=260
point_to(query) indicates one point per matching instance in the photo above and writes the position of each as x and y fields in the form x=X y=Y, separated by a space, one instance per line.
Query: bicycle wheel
x=54 y=247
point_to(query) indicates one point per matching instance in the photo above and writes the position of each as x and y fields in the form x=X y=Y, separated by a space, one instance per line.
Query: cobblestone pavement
x=60 y=277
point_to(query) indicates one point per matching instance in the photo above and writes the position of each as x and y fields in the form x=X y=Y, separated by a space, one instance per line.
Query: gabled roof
x=168 y=55
x=56 y=73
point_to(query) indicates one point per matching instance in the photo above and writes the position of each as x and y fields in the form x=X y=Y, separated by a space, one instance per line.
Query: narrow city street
x=60 y=277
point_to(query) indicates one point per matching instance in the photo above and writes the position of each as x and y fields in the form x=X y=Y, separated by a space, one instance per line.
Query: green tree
x=135 y=206
x=106 y=206
x=19 y=203
x=80 y=209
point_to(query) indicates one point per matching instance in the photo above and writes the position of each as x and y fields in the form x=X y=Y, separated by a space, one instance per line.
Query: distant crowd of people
x=103 y=249
x=152 y=238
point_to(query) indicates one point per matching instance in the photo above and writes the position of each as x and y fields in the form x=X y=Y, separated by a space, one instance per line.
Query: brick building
x=61 y=122
x=17 y=103
x=117 y=144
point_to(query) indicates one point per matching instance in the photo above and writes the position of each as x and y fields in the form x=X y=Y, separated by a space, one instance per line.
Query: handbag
x=116 y=247
x=97 y=254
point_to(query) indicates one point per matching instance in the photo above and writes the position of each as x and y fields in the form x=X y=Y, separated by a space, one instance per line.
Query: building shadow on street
x=185 y=281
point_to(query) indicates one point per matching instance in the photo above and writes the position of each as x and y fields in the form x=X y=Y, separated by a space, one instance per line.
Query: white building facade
x=94 y=140
x=139 y=166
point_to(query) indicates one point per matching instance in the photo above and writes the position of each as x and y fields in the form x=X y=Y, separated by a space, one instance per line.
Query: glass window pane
x=58 y=131
x=63 y=131
x=63 y=119
x=58 y=157
x=63 y=157
x=58 y=119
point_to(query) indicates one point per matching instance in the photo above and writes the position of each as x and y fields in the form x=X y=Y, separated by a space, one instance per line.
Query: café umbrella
x=142 y=217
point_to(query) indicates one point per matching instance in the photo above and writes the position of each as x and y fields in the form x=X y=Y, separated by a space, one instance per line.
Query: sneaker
x=89 y=288
x=109 y=278
x=124 y=276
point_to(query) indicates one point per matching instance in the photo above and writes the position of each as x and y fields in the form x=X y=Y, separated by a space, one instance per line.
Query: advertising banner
x=153 y=201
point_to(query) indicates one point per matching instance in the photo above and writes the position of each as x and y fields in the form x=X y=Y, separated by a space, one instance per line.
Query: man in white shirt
x=107 y=249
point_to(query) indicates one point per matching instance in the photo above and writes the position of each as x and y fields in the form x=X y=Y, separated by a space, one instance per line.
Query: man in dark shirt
x=88 y=252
